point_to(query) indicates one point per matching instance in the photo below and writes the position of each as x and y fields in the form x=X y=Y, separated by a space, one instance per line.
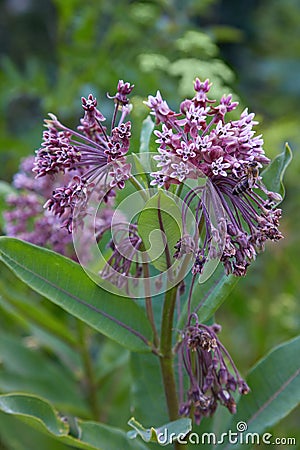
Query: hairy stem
x=90 y=379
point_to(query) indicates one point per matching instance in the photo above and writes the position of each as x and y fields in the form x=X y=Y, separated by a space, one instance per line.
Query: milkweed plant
x=144 y=247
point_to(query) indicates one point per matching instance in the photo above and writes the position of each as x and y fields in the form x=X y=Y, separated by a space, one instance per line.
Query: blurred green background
x=53 y=52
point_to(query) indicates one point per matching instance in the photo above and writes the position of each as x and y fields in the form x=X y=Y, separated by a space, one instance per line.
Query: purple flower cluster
x=211 y=382
x=123 y=264
x=27 y=219
x=199 y=140
x=90 y=155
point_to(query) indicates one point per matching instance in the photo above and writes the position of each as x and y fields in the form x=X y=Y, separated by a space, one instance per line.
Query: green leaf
x=35 y=407
x=147 y=389
x=40 y=414
x=209 y=296
x=159 y=225
x=104 y=437
x=66 y=284
x=147 y=128
x=164 y=435
x=275 y=389
x=26 y=437
x=273 y=175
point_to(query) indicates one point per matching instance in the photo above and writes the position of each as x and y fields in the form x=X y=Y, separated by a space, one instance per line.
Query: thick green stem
x=90 y=379
x=167 y=357
x=148 y=300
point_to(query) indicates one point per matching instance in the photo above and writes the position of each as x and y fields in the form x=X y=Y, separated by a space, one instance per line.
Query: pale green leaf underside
x=272 y=176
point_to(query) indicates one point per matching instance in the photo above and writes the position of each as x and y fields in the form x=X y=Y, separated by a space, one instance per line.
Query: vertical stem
x=89 y=371
x=148 y=300
x=166 y=360
x=167 y=357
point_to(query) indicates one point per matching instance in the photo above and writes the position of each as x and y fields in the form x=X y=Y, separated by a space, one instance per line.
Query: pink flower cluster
x=198 y=141
x=199 y=136
x=93 y=157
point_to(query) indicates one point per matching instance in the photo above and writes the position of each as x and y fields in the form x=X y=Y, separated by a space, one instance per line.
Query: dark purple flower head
x=90 y=157
x=56 y=154
x=123 y=89
x=230 y=154
x=92 y=115
x=205 y=361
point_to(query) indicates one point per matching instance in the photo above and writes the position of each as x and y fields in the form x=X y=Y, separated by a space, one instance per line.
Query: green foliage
x=146 y=132
x=273 y=174
x=30 y=371
x=179 y=427
x=147 y=389
x=66 y=284
x=159 y=225
x=5 y=190
x=40 y=414
x=209 y=296
x=94 y=48
x=274 y=392
x=53 y=349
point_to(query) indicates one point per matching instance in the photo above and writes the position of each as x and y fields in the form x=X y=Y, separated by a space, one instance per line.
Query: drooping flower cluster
x=230 y=155
x=94 y=157
x=210 y=380
x=123 y=265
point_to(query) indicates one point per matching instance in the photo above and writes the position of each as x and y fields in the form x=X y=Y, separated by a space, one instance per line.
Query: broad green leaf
x=147 y=128
x=164 y=435
x=272 y=176
x=104 y=437
x=275 y=390
x=26 y=437
x=39 y=414
x=159 y=225
x=147 y=389
x=66 y=284
x=35 y=407
x=209 y=296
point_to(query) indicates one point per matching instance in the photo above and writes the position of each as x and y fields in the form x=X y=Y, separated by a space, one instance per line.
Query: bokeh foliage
x=53 y=52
